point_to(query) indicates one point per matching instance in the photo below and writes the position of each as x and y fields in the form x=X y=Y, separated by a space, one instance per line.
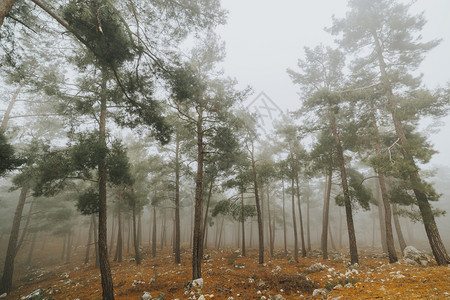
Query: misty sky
x=264 y=38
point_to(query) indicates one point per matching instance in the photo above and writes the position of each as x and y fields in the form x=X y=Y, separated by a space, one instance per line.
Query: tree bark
x=154 y=233
x=294 y=221
x=177 y=202
x=11 y=252
x=119 y=246
x=269 y=220
x=137 y=256
x=113 y=229
x=325 y=213
x=302 y=234
x=14 y=98
x=258 y=207
x=88 y=246
x=308 y=229
x=105 y=270
x=205 y=220
x=32 y=246
x=243 y=224
x=348 y=206
x=382 y=225
x=284 y=221
x=398 y=228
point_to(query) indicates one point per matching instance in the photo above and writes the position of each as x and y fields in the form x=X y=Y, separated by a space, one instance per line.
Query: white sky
x=264 y=38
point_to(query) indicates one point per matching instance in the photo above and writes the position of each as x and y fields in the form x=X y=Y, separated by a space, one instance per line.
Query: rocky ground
x=228 y=275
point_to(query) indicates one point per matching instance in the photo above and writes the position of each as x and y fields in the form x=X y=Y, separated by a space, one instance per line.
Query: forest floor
x=227 y=274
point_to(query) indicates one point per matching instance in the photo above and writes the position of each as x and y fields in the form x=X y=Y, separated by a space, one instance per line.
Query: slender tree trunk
x=258 y=207
x=387 y=206
x=139 y=229
x=88 y=246
x=154 y=233
x=382 y=225
x=25 y=228
x=177 y=202
x=294 y=221
x=205 y=220
x=97 y=260
x=434 y=238
x=308 y=229
x=284 y=221
x=11 y=252
x=333 y=245
x=325 y=215
x=163 y=229
x=398 y=228
x=302 y=235
x=220 y=233
x=119 y=246
x=269 y=220
x=129 y=233
x=243 y=223
x=348 y=206
x=137 y=256
x=69 y=246
x=113 y=229
x=33 y=244
x=63 y=252
x=14 y=98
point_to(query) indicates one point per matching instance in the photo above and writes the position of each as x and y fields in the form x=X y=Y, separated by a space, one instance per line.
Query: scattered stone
x=317 y=267
x=3 y=295
x=146 y=296
x=413 y=254
x=137 y=282
x=318 y=292
x=36 y=294
x=201 y=297
x=198 y=283
x=261 y=283
x=348 y=285
x=409 y=261
x=276 y=270
x=278 y=297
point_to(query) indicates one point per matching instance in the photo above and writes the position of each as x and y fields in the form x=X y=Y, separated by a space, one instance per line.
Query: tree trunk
x=63 y=252
x=434 y=238
x=308 y=229
x=333 y=245
x=258 y=208
x=88 y=246
x=139 y=229
x=398 y=228
x=69 y=246
x=177 y=202
x=137 y=256
x=205 y=220
x=243 y=224
x=154 y=233
x=220 y=233
x=325 y=215
x=348 y=206
x=97 y=260
x=387 y=206
x=105 y=270
x=302 y=235
x=382 y=225
x=284 y=221
x=113 y=229
x=294 y=221
x=8 y=269
x=269 y=220
x=33 y=244
x=119 y=246
x=25 y=228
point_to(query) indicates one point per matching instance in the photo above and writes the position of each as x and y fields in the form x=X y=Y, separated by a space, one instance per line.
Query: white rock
x=201 y=297
x=318 y=292
x=198 y=283
x=146 y=296
x=3 y=295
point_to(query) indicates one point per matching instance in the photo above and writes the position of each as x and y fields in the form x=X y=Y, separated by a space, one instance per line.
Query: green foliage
x=234 y=209
x=8 y=161
x=118 y=165
x=358 y=193
x=88 y=202
x=99 y=24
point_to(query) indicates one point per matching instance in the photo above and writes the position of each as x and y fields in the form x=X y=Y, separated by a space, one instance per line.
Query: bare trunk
x=97 y=263
x=294 y=221
x=398 y=228
x=113 y=229
x=269 y=220
x=137 y=256
x=382 y=225
x=308 y=229
x=348 y=206
x=69 y=246
x=119 y=246
x=154 y=233
x=302 y=235
x=105 y=270
x=284 y=221
x=243 y=224
x=325 y=215
x=205 y=220
x=25 y=228
x=258 y=208
x=89 y=242
x=177 y=202
x=8 y=269
x=33 y=244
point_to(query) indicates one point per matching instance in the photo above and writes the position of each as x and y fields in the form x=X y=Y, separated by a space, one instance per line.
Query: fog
x=164 y=131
